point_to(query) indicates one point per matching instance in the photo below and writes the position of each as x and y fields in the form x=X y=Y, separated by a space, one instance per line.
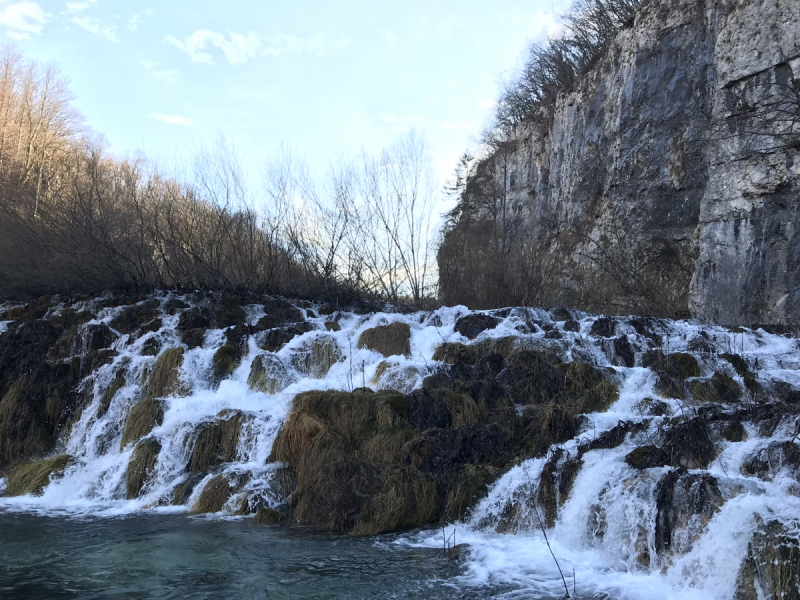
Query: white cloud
x=22 y=19
x=133 y=24
x=173 y=119
x=170 y=75
x=316 y=44
x=457 y=125
x=238 y=48
x=93 y=26
x=73 y=7
x=487 y=104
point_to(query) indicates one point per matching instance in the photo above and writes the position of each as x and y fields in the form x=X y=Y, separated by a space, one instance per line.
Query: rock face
x=666 y=183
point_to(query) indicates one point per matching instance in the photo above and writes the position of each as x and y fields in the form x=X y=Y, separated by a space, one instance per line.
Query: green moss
x=229 y=312
x=268 y=516
x=390 y=340
x=268 y=375
x=33 y=477
x=226 y=359
x=116 y=385
x=469 y=486
x=720 y=388
x=214 y=496
x=216 y=442
x=15 y=313
x=143 y=418
x=407 y=498
x=133 y=317
x=164 y=379
x=141 y=466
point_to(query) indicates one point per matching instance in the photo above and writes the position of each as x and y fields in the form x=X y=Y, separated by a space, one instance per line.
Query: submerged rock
x=268 y=516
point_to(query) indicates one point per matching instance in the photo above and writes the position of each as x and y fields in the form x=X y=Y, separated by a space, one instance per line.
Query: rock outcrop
x=667 y=183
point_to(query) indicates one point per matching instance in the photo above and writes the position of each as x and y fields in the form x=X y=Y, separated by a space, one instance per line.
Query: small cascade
x=667 y=494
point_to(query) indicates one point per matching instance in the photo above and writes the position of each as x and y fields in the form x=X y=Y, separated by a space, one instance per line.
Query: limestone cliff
x=667 y=183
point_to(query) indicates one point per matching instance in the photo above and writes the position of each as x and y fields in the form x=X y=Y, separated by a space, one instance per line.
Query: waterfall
x=603 y=524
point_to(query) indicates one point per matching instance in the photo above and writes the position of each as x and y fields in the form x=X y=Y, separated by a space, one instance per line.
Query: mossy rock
x=174 y=305
x=277 y=313
x=473 y=325
x=192 y=326
x=151 y=347
x=317 y=356
x=770 y=568
x=225 y=361
x=143 y=418
x=214 y=496
x=646 y=457
x=407 y=498
x=276 y=339
x=604 y=327
x=678 y=364
x=720 y=388
x=133 y=317
x=389 y=340
x=141 y=466
x=572 y=326
x=96 y=359
x=183 y=491
x=229 y=312
x=164 y=379
x=33 y=477
x=651 y=407
x=268 y=375
x=469 y=486
x=766 y=462
x=332 y=326
x=116 y=385
x=268 y=516
x=743 y=370
x=217 y=442
x=455 y=353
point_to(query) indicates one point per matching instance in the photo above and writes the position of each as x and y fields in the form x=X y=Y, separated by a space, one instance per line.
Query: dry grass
x=143 y=418
x=390 y=340
x=214 y=496
x=216 y=442
x=142 y=466
x=116 y=385
x=164 y=379
x=33 y=477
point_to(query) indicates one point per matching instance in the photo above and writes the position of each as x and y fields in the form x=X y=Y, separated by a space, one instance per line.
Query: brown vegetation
x=389 y=340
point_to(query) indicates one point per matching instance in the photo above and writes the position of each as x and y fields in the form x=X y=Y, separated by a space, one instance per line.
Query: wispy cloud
x=238 y=48
x=170 y=75
x=23 y=19
x=133 y=23
x=173 y=119
x=94 y=26
x=73 y=7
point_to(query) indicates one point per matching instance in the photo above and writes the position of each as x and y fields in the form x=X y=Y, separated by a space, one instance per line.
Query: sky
x=326 y=78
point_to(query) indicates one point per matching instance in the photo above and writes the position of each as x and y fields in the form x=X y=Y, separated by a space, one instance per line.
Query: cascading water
x=605 y=534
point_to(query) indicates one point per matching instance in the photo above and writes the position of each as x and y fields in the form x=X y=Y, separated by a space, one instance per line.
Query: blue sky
x=324 y=77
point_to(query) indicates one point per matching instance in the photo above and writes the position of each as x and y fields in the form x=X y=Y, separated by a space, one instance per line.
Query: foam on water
x=522 y=561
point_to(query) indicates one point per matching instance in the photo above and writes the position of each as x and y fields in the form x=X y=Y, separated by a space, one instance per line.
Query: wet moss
x=33 y=477
x=141 y=466
x=216 y=442
x=133 y=317
x=473 y=325
x=332 y=326
x=469 y=486
x=389 y=340
x=268 y=516
x=116 y=385
x=268 y=375
x=455 y=353
x=226 y=359
x=214 y=496
x=317 y=356
x=164 y=379
x=143 y=418
x=720 y=388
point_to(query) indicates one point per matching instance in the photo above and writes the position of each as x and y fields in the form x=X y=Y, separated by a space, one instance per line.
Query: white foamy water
x=520 y=561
